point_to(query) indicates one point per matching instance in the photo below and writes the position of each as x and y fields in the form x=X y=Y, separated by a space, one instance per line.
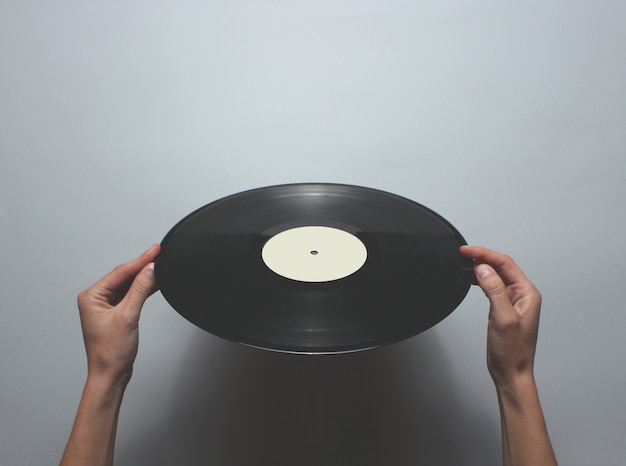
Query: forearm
x=525 y=440
x=92 y=439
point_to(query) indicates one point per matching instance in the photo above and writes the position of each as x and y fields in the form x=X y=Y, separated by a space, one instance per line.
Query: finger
x=120 y=278
x=504 y=265
x=142 y=287
x=495 y=290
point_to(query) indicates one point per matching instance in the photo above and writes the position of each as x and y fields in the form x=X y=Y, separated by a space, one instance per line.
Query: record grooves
x=376 y=269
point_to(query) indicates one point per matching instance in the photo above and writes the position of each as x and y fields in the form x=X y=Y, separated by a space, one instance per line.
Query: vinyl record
x=313 y=268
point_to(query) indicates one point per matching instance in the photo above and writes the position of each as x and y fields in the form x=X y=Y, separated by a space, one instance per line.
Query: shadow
x=238 y=406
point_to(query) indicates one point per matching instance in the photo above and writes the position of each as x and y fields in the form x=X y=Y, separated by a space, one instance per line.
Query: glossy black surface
x=210 y=270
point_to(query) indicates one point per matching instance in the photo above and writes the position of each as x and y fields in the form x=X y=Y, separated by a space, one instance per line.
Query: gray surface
x=118 y=118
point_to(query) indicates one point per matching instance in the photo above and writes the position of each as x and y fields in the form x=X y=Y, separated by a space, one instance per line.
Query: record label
x=314 y=254
x=313 y=268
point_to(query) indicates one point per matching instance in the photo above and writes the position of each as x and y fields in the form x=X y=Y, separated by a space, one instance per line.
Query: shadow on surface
x=237 y=406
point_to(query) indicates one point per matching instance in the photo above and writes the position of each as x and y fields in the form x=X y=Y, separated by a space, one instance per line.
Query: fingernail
x=149 y=269
x=483 y=271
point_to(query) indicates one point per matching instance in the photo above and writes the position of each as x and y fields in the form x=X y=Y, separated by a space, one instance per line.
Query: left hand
x=109 y=314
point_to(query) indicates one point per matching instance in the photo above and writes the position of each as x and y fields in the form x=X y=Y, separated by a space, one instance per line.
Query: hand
x=513 y=316
x=109 y=314
x=511 y=342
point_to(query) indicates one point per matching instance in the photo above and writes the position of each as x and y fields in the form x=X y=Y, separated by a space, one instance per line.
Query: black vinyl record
x=228 y=268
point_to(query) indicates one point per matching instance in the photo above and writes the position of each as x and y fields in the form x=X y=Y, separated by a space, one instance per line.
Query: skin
x=514 y=310
x=110 y=310
x=109 y=314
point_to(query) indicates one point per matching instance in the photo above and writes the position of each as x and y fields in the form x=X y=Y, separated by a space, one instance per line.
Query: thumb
x=494 y=288
x=142 y=287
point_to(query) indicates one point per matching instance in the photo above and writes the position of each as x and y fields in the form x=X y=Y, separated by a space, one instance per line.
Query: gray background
x=119 y=118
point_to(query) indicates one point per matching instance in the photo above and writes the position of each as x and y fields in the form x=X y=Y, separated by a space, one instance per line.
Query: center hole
x=314 y=252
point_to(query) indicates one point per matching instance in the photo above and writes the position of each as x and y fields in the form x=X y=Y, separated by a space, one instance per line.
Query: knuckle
x=140 y=288
x=505 y=327
x=494 y=286
x=82 y=298
x=510 y=323
x=536 y=295
x=507 y=260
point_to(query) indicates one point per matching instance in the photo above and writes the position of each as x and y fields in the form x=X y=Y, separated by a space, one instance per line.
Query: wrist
x=109 y=375
x=518 y=389
x=512 y=380
x=106 y=383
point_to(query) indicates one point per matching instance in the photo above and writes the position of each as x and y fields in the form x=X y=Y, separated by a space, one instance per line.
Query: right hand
x=513 y=316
